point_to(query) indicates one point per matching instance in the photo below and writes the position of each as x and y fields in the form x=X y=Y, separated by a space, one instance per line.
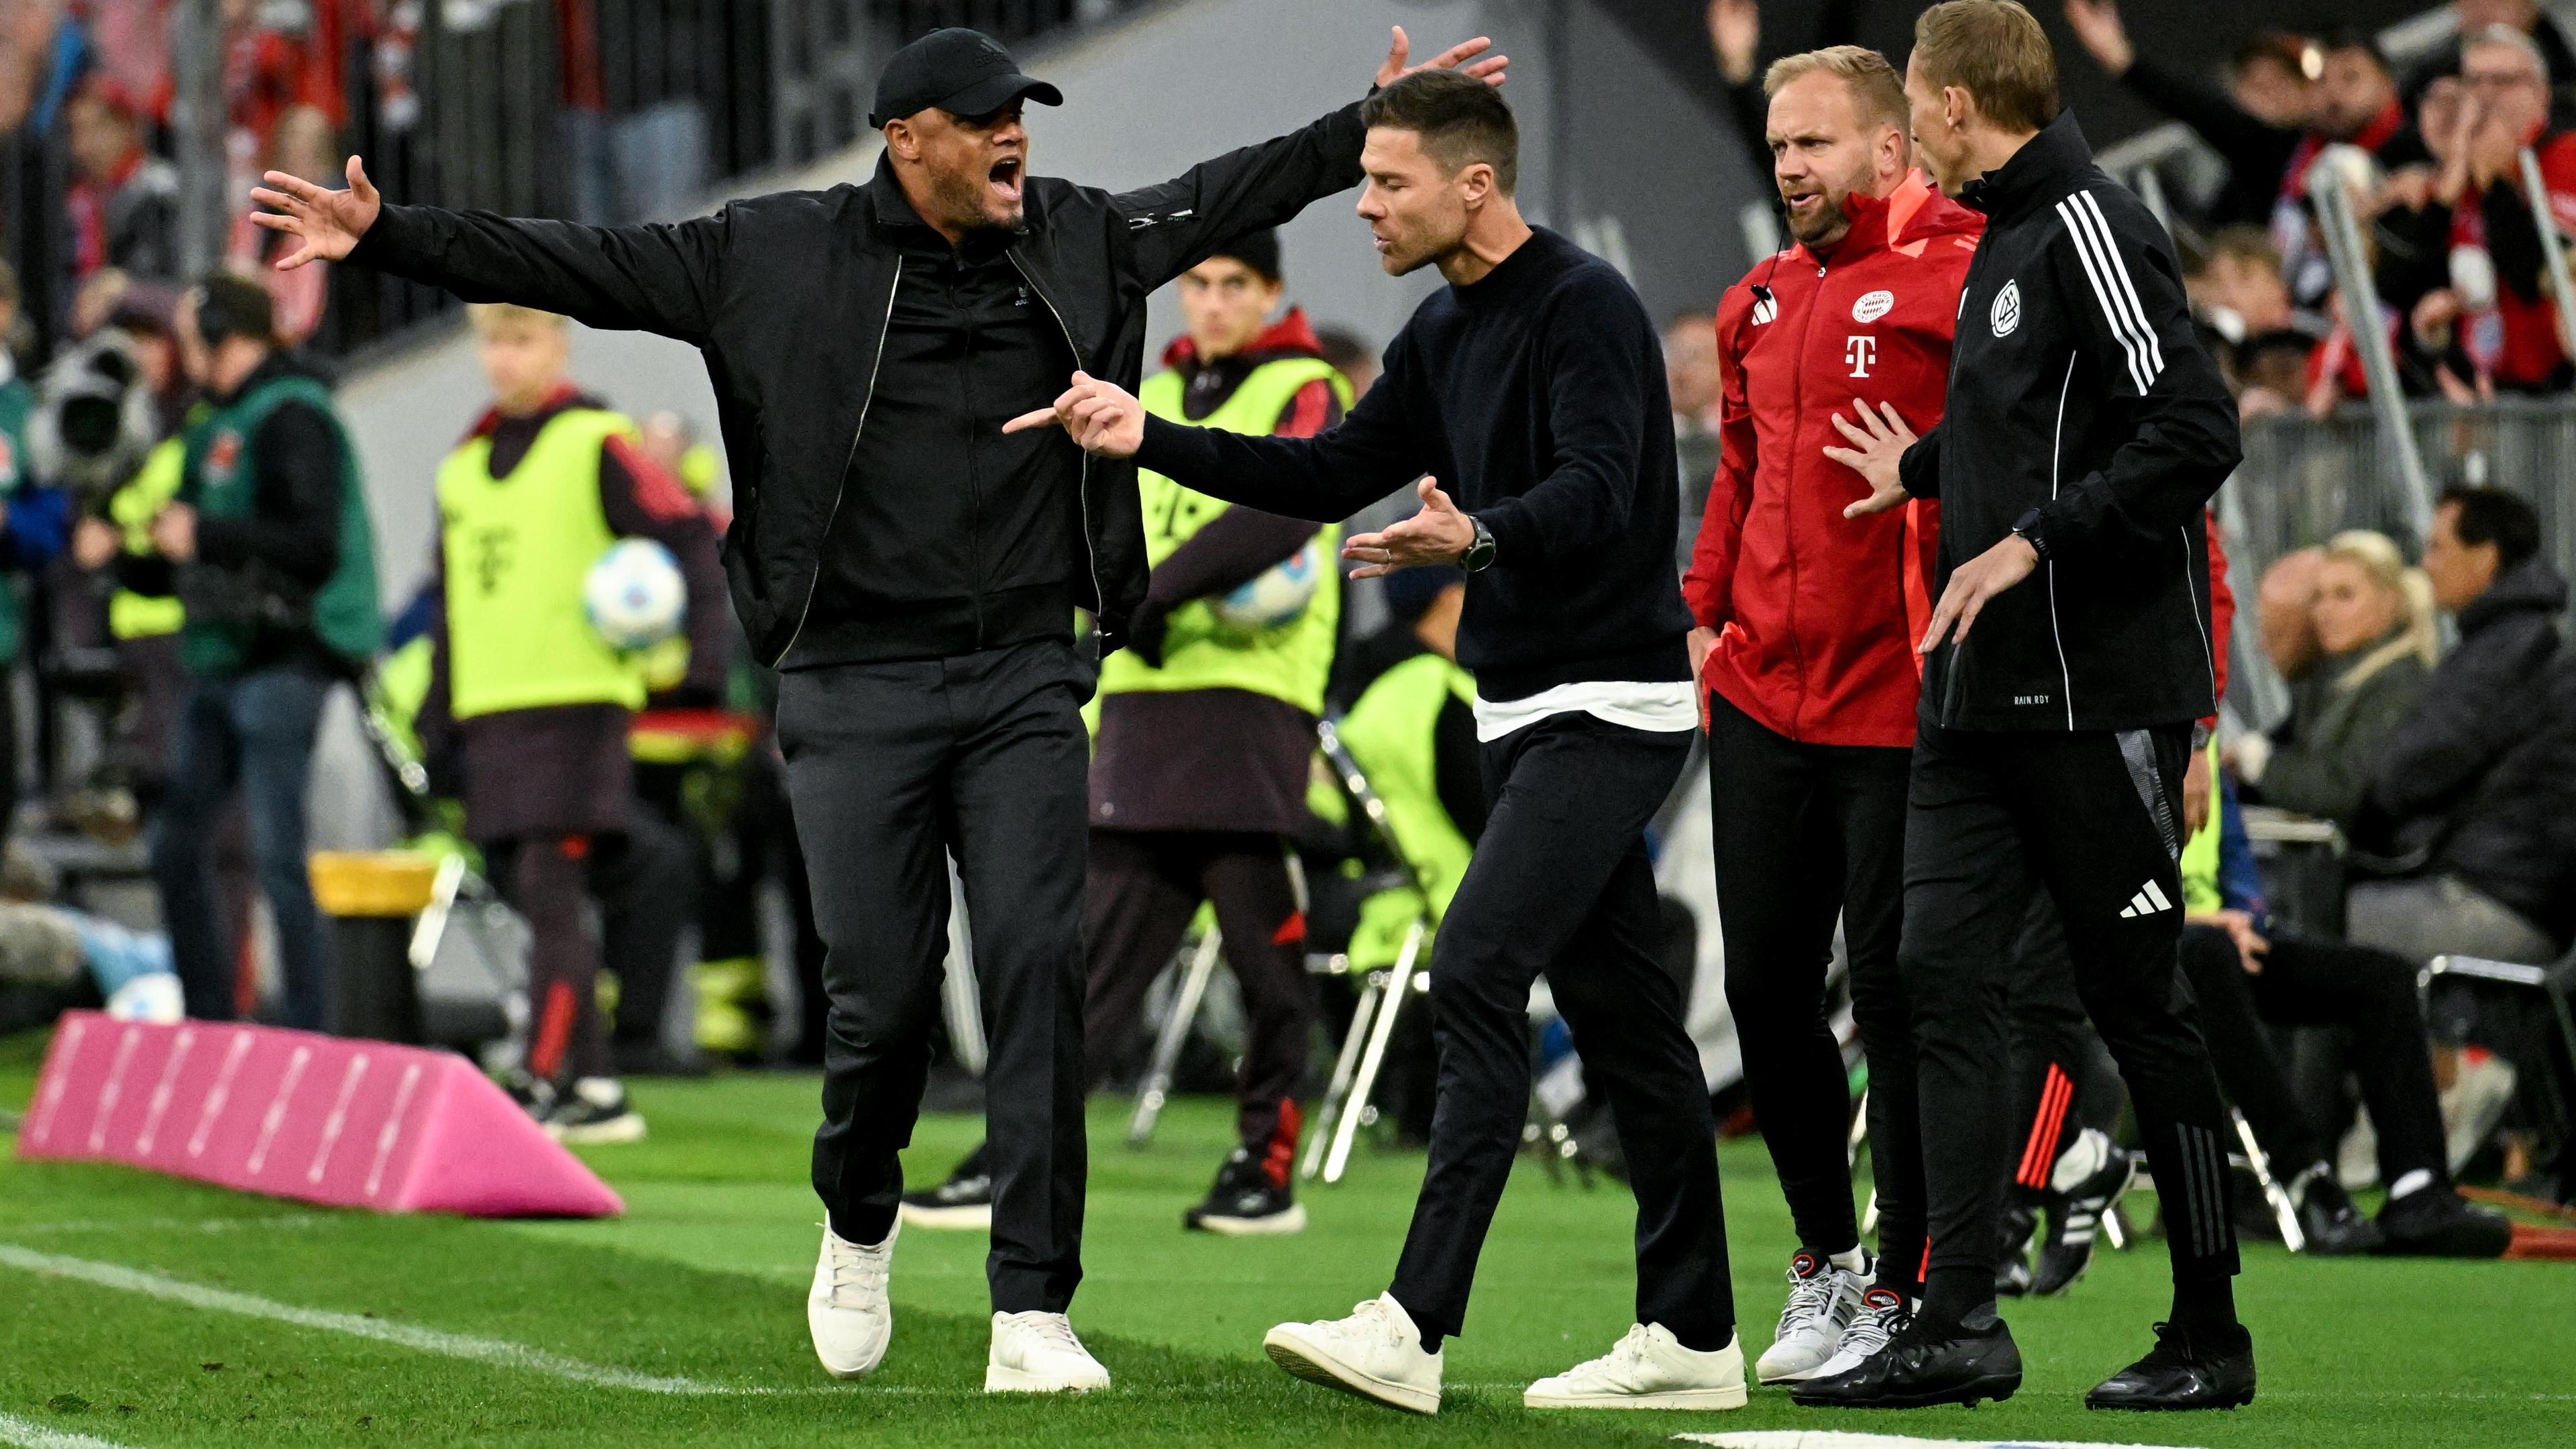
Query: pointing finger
x=1043 y=417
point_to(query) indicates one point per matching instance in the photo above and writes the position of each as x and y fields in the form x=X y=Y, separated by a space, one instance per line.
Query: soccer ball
x=1277 y=595
x=634 y=595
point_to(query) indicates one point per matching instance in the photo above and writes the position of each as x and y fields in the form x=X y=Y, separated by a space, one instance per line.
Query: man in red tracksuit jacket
x=1807 y=623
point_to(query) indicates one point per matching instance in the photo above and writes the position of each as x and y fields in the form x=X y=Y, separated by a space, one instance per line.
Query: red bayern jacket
x=1818 y=614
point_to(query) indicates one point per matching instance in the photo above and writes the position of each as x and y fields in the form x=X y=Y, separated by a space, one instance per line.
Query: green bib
x=1392 y=731
x=2199 y=863
x=517 y=551
x=222 y=468
x=1200 y=651
x=131 y=508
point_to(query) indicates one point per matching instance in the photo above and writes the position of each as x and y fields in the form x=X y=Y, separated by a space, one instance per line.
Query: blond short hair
x=487 y=318
x=1876 y=88
x=1996 y=52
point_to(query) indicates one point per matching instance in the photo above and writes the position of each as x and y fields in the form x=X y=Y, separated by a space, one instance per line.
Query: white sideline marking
x=28 y=1434
x=427 y=1340
x=176 y=1225
x=1835 y=1439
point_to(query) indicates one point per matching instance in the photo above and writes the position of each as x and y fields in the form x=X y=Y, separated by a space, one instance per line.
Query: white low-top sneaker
x=1037 y=1353
x=847 y=1312
x=1822 y=1300
x=1882 y=1313
x=1375 y=1353
x=1648 y=1369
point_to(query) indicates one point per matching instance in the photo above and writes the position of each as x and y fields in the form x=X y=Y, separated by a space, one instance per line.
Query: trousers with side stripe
x=2094 y=820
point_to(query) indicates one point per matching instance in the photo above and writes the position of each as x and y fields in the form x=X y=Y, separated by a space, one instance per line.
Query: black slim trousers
x=2307 y=982
x=1144 y=888
x=1805 y=835
x=891 y=769
x=1561 y=885
x=2094 y=819
x=640 y=878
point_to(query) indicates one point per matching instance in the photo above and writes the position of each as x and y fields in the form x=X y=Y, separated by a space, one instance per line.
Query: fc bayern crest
x=2006 y=314
x=1873 y=305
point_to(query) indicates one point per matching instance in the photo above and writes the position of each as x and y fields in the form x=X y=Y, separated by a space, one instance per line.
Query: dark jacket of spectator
x=2478 y=783
x=2258 y=153
x=2337 y=732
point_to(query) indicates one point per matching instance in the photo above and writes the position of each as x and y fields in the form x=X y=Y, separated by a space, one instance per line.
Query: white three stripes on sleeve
x=2109 y=275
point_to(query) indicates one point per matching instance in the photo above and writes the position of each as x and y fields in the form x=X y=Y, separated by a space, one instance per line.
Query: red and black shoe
x=1247 y=1202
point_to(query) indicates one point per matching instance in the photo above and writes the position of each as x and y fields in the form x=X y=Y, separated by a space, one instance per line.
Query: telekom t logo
x=1860 y=352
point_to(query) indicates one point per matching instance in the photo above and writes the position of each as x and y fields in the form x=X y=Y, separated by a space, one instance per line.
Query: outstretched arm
x=1174 y=226
x=662 y=277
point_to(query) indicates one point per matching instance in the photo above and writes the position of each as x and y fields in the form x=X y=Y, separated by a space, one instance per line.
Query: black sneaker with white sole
x=2066 y=1249
x=532 y=1094
x=964 y=1203
x=2187 y=1369
x=1246 y=1202
x=595 y=1111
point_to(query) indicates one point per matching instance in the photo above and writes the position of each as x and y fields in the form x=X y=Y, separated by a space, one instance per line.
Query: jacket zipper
x=1798 y=411
x=1082 y=483
x=842 y=487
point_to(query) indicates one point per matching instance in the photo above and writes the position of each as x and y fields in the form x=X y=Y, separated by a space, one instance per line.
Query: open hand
x=2195 y=793
x=2098 y=29
x=328 y=222
x=1973 y=583
x=1100 y=416
x=2239 y=926
x=174 y=533
x=1878 y=445
x=94 y=542
x=1489 y=70
x=1439 y=534
x=1735 y=34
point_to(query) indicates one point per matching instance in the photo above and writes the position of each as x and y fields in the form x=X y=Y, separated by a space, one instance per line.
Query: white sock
x=2413 y=1182
x=2080 y=1160
x=598 y=1091
x=1854 y=1259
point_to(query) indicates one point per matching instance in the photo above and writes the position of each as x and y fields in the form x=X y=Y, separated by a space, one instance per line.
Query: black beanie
x=1258 y=250
x=231 y=306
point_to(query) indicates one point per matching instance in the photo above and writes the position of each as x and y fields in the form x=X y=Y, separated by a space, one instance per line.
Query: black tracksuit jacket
x=2082 y=405
x=787 y=297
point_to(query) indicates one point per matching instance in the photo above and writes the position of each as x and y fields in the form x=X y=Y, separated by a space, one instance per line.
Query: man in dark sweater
x=1534 y=384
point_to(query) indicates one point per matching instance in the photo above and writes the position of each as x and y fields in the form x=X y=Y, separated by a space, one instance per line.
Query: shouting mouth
x=1004 y=180
x=1805 y=203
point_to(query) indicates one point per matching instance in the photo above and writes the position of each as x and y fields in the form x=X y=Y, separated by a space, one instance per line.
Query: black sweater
x=1536 y=397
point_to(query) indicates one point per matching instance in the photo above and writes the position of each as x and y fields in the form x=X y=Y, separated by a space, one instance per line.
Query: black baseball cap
x=963 y=72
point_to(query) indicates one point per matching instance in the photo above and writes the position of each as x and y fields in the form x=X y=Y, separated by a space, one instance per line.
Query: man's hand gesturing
x=1099 y=415
x=328 y=222
x=1877 y=446
x=1439 y=534
x=1489 y=70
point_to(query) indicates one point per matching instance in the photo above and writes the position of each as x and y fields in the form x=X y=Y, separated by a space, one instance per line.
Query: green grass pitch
x=705 y=1276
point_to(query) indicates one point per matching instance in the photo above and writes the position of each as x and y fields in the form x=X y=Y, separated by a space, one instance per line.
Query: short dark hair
x=1460 y=119
x=2491 y=515
x=1258 y=250
x=2354 y=38
x=234 y=306
x=2276 y=47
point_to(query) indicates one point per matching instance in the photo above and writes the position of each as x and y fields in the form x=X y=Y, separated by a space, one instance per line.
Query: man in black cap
x=914 y=575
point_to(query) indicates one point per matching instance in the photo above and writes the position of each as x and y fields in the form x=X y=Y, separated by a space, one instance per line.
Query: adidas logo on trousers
x=2146 y=902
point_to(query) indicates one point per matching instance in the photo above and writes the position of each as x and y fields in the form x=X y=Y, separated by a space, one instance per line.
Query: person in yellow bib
x=535 y=704
x=1207 y=720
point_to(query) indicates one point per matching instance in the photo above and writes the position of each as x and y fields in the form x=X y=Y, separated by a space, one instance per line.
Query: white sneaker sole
x=628 y=1127
x=1277 y=1224
x=1720 y=1398
x=1796 y=1373
x=1307 y=1360
x=1000 y=1380
x=977 y=1218
x=814 y=1333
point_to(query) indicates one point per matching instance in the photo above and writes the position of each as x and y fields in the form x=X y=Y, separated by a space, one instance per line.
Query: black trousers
x=2094 y=819
x=1561 y=885
x=1805 y=835
x=1144 y=887
x=2063 y=1080
x=891 y=769
x=2307 y=982
x=641 y=879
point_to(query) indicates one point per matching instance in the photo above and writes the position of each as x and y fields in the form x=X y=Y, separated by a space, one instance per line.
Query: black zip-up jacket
x=2081 y=402
x=787 y=297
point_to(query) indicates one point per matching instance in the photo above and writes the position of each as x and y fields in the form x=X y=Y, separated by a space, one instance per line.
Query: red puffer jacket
x=1818 y=614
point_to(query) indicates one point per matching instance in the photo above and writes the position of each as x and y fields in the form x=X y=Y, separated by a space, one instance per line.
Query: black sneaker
x=2185 y=1370
x=1919 y=1368
x=1245 y=1202
x=963 y=1203
x=2328 y=1220
x=2012 y=1265
x=2073 y=1217
x=534 y=1095
x=2433 y=1222
x=595 y=1111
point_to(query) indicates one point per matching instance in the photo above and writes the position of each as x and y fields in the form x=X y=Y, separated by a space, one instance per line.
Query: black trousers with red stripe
x=641 y=881
x=1142 y=890
x=2063 y=1078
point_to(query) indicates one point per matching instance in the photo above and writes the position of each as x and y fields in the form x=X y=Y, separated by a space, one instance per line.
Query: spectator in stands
x=2468 y=813
x=123 y=206
x=2285 y=612
x=2374 y=630
x=2266 y=343
x=2528 y=17
x=301 y=144
x=1690 y=374
x=2496 y=323
x=2410 y=225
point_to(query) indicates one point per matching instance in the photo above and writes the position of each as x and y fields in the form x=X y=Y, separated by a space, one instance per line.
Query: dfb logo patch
x=2006 y=313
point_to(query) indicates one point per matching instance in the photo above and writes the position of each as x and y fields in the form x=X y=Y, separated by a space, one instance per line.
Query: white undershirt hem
x=1657 y=707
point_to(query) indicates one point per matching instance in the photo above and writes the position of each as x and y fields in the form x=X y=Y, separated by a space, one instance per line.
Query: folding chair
x=2556 y=983
x=1174 y=1035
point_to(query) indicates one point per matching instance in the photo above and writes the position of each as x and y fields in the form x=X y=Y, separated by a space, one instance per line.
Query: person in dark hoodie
x=268 y=545
x=1207 y=722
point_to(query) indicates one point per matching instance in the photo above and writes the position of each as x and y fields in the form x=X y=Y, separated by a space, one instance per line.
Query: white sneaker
x=1648 y=1369
x=1882 y=1313
x=1036 y=1353
x=1822 y=1300
x=1375 y=1353
x=847 y=1312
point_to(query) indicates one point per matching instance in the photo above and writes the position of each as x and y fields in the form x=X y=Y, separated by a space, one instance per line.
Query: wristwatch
x=1480 y=554
x=2026 y=528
